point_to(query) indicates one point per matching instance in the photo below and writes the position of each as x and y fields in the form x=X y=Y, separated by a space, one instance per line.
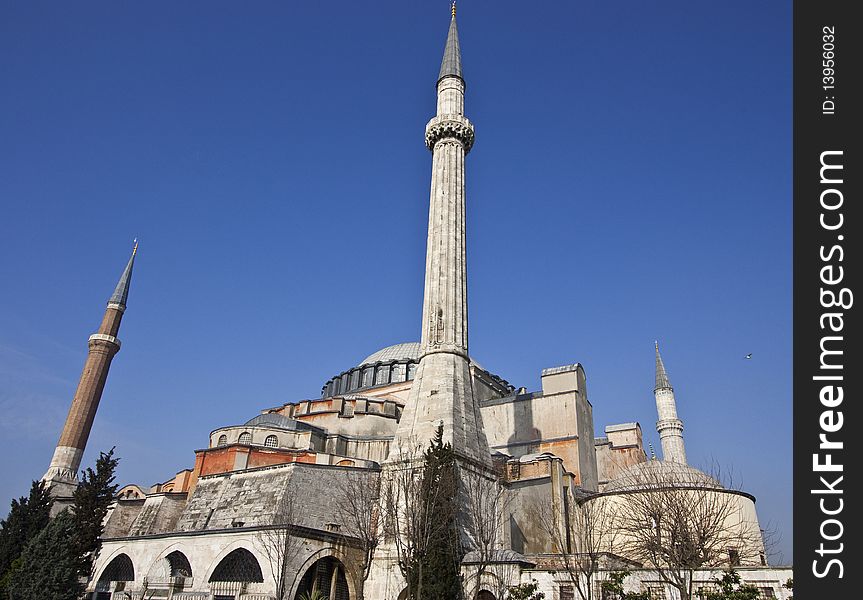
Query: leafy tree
x=92 y=498
x=730 y=588
x=27 y=517
x=525 y=591
x=49 y=566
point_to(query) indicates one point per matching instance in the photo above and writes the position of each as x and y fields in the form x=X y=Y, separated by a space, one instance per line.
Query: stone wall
x=252 y=497
x=159 y=514
x=121 y=517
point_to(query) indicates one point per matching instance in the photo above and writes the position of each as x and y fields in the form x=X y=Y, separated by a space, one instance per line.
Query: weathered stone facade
x=202 y=533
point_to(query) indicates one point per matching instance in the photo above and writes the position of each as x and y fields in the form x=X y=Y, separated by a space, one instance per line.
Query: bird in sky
x=748 y=356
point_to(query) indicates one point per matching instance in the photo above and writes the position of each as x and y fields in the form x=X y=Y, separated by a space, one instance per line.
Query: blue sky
x=631 y=181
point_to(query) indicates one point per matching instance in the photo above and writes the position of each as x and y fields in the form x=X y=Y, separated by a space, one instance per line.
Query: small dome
x=660 y=473
x=405 y=351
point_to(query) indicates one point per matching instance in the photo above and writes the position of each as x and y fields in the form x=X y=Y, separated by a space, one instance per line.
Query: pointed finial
x=453 y=9
x=652 y=452
x=135 y=247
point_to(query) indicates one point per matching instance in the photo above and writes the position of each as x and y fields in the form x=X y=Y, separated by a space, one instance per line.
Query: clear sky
x=630 y=181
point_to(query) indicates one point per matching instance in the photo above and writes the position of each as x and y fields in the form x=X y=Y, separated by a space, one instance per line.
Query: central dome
x=404 y=351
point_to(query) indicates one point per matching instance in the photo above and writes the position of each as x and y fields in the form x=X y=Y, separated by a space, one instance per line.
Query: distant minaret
x=62 y=475
x=670 y=428
x=442 y=390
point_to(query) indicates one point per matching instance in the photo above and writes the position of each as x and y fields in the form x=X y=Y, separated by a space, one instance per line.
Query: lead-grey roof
x=121 y=292
x=406 y=350
x=451 y=64
x=661 y=376
x=279 y=421
x=656 y=474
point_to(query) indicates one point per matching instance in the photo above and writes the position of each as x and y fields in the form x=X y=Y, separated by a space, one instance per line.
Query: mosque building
x=197 y=535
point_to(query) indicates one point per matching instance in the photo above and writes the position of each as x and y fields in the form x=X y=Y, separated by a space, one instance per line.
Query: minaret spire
x=661 y=375
x=61 y=476
x=121 y=292
x=669 y=427
x=450 y=66
x=442 y=391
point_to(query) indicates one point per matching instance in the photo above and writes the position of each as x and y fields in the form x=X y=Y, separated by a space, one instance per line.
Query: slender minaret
x=62 y=475
x=670 y=428
x=442 y=390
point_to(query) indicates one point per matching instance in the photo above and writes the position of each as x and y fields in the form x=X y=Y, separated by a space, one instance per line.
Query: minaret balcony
x=452 y=126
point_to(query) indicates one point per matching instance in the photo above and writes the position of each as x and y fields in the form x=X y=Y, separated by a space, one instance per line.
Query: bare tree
x=580 y=532
x=506 y=576
x=279 y=543
x=357 y=510
x=676 y=521
x=485 y=502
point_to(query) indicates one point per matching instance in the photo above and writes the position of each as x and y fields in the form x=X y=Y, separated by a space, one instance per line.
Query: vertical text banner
x=828 y=66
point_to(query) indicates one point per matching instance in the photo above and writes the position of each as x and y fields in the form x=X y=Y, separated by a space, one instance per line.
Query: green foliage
x=525 y=591
x=92 y=498
x=49 y=566
x=730 y=588
x=27 y=517
x=440 y=567
x=612 y=588
x=444 y=557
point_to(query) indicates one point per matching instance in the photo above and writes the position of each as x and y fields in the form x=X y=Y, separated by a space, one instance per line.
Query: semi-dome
x=403 y=351
x=279 y=421
x=654 y=474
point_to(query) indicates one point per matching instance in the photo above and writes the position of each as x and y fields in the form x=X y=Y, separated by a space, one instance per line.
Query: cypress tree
x=49 y=566
x=27 y=517
x=442 y=563
x=92 y=498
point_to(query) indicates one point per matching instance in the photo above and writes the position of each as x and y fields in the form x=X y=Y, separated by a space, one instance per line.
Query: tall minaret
x=442 y=390
x=670 y=428
x=62 y=475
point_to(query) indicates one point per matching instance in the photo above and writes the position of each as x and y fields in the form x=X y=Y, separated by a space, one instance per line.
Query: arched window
x=245 y=438
x=223 y=440
x=180 y=566
x=271 y=441
x=239 y=565
x=322 y=576
x=119 y=569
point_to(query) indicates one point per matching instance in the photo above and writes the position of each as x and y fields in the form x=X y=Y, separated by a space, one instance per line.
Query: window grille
x=239 y=565
x=223 y=440
x=119 y=569
x=179 y=564
x=271 y=441
x=245 y=438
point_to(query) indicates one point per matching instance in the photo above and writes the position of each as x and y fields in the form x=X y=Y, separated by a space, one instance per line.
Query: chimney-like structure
x=62 y=475
x=442 y=390
x=670 y=428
